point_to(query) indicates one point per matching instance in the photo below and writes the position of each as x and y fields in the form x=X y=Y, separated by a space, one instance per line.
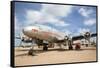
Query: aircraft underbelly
x=45 y=36
x=40 y=35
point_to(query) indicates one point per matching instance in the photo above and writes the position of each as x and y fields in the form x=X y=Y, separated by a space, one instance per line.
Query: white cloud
x=90 y=22
x=16 y=23
x=49 y=14
x=33 y=16
x=56 y=10
x=18 y=26
x=66 y=31
x=83 y=30
x=38 y=17
x=85 y=12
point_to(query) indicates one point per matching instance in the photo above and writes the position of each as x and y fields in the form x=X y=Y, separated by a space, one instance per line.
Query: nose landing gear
x=31 y=52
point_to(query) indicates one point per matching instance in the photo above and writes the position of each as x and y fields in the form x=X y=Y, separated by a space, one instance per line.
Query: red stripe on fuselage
x=50 y=33
x=34 y=30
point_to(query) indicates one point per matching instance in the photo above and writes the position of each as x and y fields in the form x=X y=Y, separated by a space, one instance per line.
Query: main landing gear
x=77 y=47
x=45 y=47
x=70 y=47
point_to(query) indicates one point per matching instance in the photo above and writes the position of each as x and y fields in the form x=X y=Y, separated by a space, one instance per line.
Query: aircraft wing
x=93 y=35
x=76 y=38
x=82 y=37
x=18 y=37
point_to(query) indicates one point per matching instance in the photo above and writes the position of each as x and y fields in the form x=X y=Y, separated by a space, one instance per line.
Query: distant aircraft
x=43 y=35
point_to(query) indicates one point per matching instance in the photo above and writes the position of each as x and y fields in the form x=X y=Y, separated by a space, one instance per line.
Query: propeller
x=23 y=39
x=87 y=36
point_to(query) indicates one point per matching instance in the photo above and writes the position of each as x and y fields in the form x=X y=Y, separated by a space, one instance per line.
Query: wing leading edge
x=82 y=37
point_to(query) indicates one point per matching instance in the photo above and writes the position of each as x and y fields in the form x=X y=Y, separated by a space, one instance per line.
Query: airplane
x=45 y=36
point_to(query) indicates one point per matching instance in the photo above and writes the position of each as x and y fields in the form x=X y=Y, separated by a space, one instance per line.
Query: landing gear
x=31 y=52
x=70 y=48
x=86 y=45
x=45 y=48
x=70 y=45
x=77 y=47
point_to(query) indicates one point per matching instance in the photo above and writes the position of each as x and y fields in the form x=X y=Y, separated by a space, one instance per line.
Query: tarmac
x=54 y=55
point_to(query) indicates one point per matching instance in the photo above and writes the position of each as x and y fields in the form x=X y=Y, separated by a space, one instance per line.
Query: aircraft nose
x=26 y=29
x=30 y=29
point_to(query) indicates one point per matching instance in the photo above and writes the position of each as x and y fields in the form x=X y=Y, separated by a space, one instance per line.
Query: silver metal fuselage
x=41 y=32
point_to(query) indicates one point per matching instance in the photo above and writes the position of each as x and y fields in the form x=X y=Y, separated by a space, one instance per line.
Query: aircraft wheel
x=45 y=48
x=70 y=48
x=31 y=52
x=77 y=47
x=86 y=45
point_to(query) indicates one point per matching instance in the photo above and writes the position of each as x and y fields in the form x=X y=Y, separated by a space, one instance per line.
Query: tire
x=77 y=47
x=45 y=48
x=70 y=48
x=31 y=52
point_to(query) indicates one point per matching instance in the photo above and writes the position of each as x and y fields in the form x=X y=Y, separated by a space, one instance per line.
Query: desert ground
x=54 y=55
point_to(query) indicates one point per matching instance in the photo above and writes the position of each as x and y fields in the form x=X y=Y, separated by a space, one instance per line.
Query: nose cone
x=30 y=29
x=27 y=29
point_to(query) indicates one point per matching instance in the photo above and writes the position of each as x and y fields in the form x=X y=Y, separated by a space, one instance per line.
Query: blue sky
x=65 y=18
